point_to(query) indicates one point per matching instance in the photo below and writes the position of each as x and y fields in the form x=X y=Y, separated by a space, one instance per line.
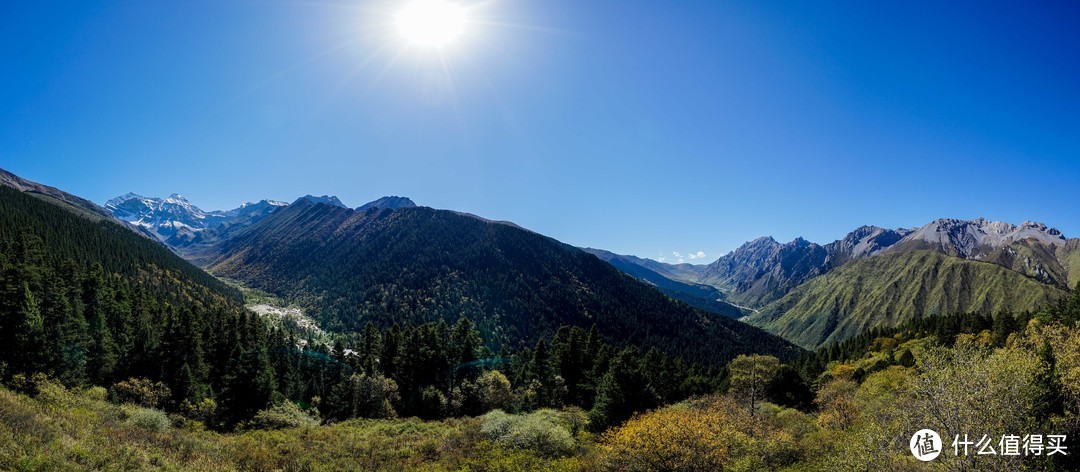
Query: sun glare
x=432 y=23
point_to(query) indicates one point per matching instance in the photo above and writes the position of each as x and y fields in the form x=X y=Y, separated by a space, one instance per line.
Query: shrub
x=142 y=392
x=712 y=433
x=542 y=431
x=282 y=415
x=52 y=393
x=96 y=393
x=203 y=411
x=149 y=419
x=574 y=419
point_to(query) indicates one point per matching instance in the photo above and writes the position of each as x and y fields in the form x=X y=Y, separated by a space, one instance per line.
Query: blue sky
x=643 y=127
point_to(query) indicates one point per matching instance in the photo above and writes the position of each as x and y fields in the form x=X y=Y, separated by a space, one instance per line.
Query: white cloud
x=677 y=254
x=697 y=255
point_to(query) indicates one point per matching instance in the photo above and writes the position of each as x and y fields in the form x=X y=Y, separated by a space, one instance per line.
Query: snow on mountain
x=174 y=218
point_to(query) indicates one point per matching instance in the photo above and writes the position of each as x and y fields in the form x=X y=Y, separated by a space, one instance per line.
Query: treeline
x=436 y=370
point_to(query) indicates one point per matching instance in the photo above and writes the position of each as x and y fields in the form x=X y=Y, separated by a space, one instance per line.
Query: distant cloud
x=677 y=254
x=697 y=255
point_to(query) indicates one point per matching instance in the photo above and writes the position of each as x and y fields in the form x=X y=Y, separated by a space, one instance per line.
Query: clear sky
x=642 y=127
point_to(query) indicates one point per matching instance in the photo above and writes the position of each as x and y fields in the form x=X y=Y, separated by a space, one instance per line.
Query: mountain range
x=391 y=262
x=812 y=294
x=176 y=221
x=417 y=264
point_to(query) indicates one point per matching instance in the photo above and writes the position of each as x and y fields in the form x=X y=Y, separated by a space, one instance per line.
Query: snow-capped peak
x=171 y=216
x=123 y=198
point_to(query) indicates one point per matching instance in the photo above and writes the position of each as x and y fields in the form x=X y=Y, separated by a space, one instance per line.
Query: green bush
x=282 y=415
x=96 y=393
x=142 y=392
x=543 y=431
x=148 y=419
x=52 y=393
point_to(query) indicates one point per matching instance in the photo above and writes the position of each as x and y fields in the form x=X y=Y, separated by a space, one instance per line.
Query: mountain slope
x=764 y=270
x=1028 y=248
x=897 y=287
x=702 y=296
x=413 y=265
x=388 y=203
x=54 y=195
x=1069 y=255
x=682 y=272
x=84 y=242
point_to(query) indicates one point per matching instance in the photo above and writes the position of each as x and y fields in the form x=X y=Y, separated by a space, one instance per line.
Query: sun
x=432 y=23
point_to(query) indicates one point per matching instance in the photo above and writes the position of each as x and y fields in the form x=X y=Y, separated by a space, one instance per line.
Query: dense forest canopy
x=419 y=265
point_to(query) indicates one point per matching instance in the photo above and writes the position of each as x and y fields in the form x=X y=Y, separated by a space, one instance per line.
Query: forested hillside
x=418 y=265
x=90 y=302
x=959 y=375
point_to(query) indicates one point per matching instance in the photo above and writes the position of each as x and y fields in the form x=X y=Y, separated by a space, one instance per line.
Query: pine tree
x=369 y=349
x=464 y=343
x=102 y=352
x=568 y=349
x=65 y=333
x=29 y=335
x=388 y=357
x=620 y=393
x=249 y=381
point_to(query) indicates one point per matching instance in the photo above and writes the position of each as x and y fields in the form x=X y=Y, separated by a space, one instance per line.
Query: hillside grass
x=1070 y=257
x=890 y=289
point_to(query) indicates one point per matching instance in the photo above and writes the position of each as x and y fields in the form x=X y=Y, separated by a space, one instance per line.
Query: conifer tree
x=29 y=334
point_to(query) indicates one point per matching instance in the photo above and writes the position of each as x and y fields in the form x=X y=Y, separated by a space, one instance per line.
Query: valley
x=323 y=320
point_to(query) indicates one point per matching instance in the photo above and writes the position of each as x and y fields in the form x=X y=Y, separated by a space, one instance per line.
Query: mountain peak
x=325 y=200
x=762 y=241
x=799 y=241
x=965 y=237
x=392 y=202
x=114 y=202
x=263 y=202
